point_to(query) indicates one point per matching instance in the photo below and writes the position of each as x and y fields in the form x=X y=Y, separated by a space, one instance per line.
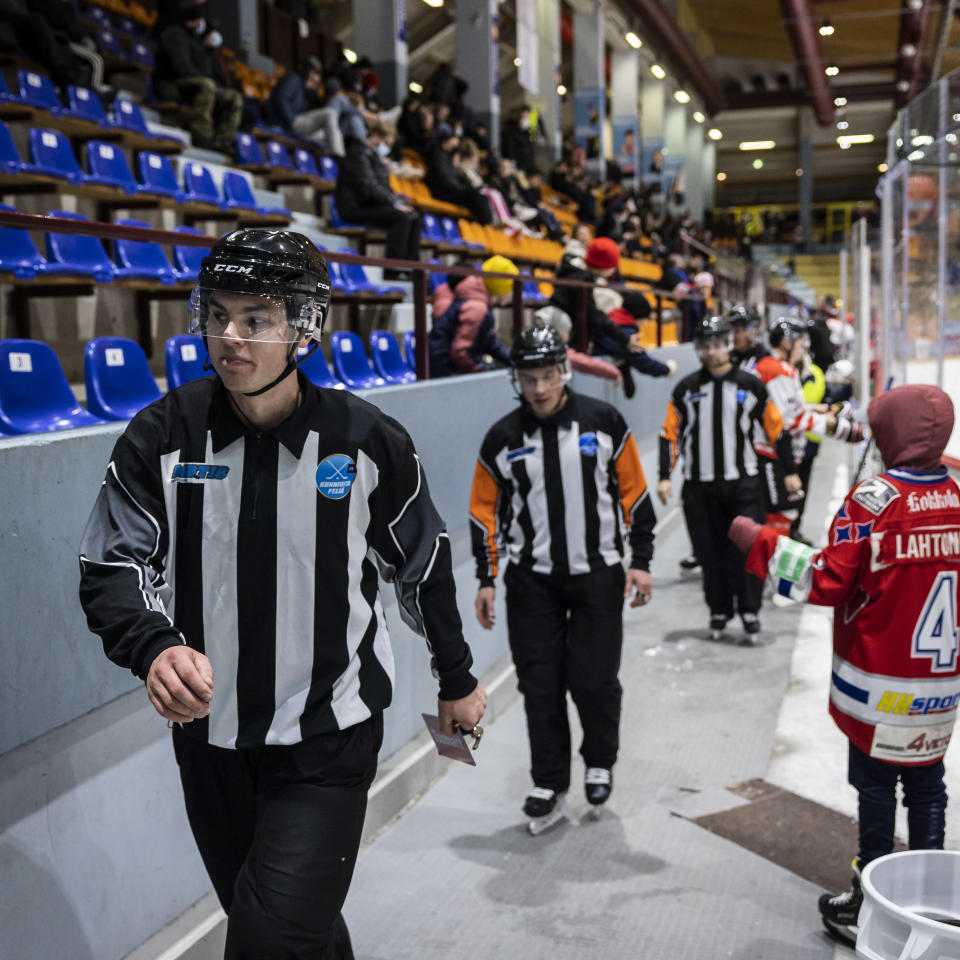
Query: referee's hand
x=664 y=491
x=180 y=684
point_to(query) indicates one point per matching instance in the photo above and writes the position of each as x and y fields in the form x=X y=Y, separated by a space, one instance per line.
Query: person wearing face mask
x=184 y=74
x=364 y=195
x=517 y=141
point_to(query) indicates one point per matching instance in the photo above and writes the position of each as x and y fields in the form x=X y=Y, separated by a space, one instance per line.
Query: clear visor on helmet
x=530 y=378
x=712 y=346
x=253 y=317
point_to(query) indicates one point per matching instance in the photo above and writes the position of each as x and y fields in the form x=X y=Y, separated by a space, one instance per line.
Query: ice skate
x=751 y=628
x=597 y=785
x=718 y=622
x=689 y=566
x=839 y=913
x=544 y=808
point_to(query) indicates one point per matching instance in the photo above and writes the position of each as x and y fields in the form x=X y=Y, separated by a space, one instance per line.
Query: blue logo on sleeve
x=588 y=444
x=193 y=472
x=335 y=476
x=741 y=396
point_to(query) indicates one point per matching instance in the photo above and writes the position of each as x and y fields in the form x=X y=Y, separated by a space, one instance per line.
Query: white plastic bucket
x=903 y=893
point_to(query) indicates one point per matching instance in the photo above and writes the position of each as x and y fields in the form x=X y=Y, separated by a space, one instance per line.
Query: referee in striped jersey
x=711 y=417
x=231 y=562
x=556 y=483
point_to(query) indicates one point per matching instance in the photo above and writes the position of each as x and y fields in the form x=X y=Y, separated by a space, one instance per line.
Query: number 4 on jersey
x=935 y=635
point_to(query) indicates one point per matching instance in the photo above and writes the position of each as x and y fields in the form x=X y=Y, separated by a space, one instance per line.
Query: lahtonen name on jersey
x=933 y=500
x=929 y=543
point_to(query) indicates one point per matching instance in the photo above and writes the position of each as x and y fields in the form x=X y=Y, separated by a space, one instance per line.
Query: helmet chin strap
x=292 y=364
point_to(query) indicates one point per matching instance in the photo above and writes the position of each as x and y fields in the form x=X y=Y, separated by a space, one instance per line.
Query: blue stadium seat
x=199 y=185
x=303 y=162
x=128 y=115
x=409 y=348
x=435 y=280
x=238 y=195
x=19 y=256
x=78 y=254
x=350 y=361
x=157 y=176
x=387 y=359
x=34 y=393
x=38 y=91
x=108 y=167
x=335 y=219
x=10 y=161
x=127 y=25
x=430 y=229
x=52 y=156
x=277 y=155
x=186 y=260
x=141 y=53
x=451 y=232
x=185 y=357
x=328 y=168
x=86 y=104
x=355 y=274
x=4 y=92
x=118 y=378
x=144 y=259
x=98 y=14
x=531 y=292
x=107 y=42
x=316 y=370
x=248 y=150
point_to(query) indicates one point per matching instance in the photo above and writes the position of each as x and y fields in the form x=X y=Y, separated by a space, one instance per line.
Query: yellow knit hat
x=498 y=286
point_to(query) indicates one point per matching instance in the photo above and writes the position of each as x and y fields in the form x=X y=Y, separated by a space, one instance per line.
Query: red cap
x=603 y=254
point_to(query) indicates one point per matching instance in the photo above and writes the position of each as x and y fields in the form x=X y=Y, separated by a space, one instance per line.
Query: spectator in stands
x=441 y=86
x=48 y=31
x=183 y=75
x=369 y=83
x=517 y=139
x=364 y=195
x=293 y=104
x=445 y=181
x=574 y=183
x=462 y=338
x=822 y=351
x=304 y=11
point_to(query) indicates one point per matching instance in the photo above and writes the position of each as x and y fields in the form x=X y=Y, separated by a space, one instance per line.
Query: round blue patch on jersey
x=335 y=476
x=588 y=444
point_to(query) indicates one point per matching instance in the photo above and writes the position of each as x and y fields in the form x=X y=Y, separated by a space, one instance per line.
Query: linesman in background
x=231 y=562
x=556 y=482
x=711 y=417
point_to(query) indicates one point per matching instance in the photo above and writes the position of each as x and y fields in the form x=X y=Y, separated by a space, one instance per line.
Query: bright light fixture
x=881 y=168
x=839 y=101
x=832 y=70
x=517 y=61
x=634 y=40
x=714 y=134
x=415 y=87
x=758 y=144
x=826 y=29
x=798 y=172
x=698 y=116
x=657 y=71
x=561 y=90
x=433 y=3
x=851 y=138
x=922 y=141
x=721 y=176
x=843 y=124
x=349 y=55
x=916 y=155
x=681 y=96
x=757 y=164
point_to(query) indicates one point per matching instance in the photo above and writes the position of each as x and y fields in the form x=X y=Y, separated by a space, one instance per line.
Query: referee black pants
x=566 y=633
x=709 y=509
x=278 y=829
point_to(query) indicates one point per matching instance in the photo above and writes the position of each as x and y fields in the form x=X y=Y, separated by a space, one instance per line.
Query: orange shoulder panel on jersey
x=669 y=432
x=630 y=478
x=483 y=509
x=766 y=368
x=772 y=421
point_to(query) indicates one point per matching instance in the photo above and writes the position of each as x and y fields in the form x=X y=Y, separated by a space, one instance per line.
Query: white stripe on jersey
x=608 y=510
x=347 y=706
x=296 y=539
x=221 y=518
x=574 y=514
x=167 y=462
x=706 y=433
x=729 y=425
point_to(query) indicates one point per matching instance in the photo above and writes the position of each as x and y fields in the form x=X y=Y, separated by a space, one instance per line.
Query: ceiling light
x=698 y=116
x=798 y=172
x=916 y=155
x=657 y=71
x=843 y=124
x=415 y=87
x=758 y=144
x=349 y=55
x=517 y=61
x=714 y=134
x=852 y=138
x=908 y=50
x=921 y=141
x=832 y=70
x=903 y=85
x=826 y=29
x=915 y=4
x=681 y=96
x=561 y=90
x=839 y=101
x=634 y=40
x=757 y=164
x=721 y=176
x=844 y=145
x=433 y=3
x=881 y=168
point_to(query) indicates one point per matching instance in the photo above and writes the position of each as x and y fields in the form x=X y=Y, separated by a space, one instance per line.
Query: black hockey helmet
x=742 y=316
x=538 y=346
x=712 y=328
x=786 y=331
x=276 y=264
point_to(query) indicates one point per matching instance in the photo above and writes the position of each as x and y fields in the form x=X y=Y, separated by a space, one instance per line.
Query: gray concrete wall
x=95 y=854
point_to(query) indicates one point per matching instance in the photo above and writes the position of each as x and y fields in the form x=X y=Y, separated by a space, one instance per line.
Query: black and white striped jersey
x=711 y=421
x=263 y=551
x=558 y=492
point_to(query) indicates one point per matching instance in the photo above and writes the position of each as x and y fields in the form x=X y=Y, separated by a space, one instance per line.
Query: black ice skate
x=751 y=627
x=839 y=913
x=597 y=785
x=544 y=808
x=690 y=564
x=717 y=623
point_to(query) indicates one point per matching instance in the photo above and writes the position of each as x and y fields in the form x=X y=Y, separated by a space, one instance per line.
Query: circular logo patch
x=335 y=476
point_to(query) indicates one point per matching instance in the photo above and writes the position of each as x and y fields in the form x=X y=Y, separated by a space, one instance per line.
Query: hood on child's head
x=911 y=425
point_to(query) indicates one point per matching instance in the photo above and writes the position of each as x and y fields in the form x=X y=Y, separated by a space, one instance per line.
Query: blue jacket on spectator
x=288 y=98
x=462 y=333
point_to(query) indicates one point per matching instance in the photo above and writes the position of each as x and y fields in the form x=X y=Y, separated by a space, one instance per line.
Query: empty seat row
x=251 y=154
x=36 y=397
x=121 y=23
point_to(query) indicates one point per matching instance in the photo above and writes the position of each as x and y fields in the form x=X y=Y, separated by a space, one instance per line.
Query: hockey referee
x=556 y=481
x=231 y=563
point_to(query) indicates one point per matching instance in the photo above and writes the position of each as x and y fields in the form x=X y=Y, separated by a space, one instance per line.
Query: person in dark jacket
x=294 y=95
x=183 y=74
x=517 y=144
x=463 y=333
x=364 y=195
x=445 y=182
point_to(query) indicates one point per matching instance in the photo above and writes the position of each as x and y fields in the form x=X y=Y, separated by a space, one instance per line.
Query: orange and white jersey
x=786 y=392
